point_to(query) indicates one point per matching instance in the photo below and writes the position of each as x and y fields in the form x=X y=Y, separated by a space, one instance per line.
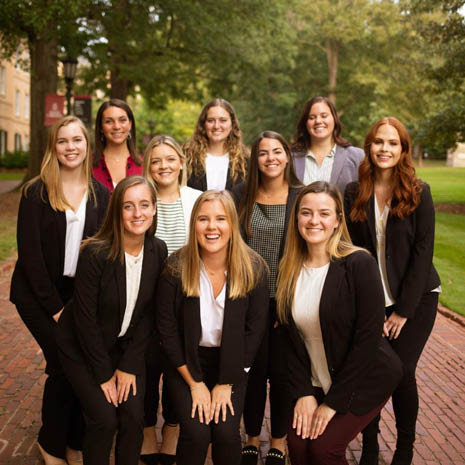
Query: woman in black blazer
x=264 y=205
x=104 y=330
x=341 y=371
x=216 y=157
x=390 y=212
x=212 y=301
x=57 y=209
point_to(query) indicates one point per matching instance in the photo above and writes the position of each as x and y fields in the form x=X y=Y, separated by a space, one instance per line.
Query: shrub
x=16 y=159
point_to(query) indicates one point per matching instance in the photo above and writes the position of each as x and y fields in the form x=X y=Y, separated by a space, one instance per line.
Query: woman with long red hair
x=390 y=212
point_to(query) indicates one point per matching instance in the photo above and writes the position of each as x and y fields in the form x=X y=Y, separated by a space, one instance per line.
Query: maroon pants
x=330 y=447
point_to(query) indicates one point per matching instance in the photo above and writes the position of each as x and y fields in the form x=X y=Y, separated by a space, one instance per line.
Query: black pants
x=268 y=364
x=103 y=420
x=409 y=346
x=194 y=437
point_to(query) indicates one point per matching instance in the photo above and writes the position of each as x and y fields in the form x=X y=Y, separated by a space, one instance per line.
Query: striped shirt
x=170 y=224
x=315 y=172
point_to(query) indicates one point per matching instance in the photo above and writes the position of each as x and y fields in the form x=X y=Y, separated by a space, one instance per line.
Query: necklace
x=214 y=272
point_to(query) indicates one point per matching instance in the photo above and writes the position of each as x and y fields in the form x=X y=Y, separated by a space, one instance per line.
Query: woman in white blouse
x=57 y=209
x=212 y=303
x=104 y=330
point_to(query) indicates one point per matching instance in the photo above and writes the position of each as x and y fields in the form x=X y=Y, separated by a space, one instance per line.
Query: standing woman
x=320 y=152
x=330 y=300
x=105 y=328
x=115 y=156
x=216 y=156
x=57 y=209
x=212 y=301
x=390 y=212
x=265 y=203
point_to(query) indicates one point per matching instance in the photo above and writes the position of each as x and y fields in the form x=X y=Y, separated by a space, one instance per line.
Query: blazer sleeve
x=85 y=305
x=29 y=231
x=367 y=330
x=421 y=257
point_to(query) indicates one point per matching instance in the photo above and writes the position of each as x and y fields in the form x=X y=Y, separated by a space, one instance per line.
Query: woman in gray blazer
x=320 y=152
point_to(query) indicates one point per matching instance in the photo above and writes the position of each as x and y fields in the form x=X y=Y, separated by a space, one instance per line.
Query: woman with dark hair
x=211 y=315
x=216 y=156
x=341 y=371
x=390 y=212
x=58 y=208
x=115 y=156
x=104 y=330
x=320 y=152
x=264 y=204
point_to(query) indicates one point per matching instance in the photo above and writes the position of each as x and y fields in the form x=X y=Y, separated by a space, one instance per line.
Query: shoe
x=249 y=455
x=166 y=459
x=402 y=457
x=369 y=456
x=149 y=459
x=275 y=457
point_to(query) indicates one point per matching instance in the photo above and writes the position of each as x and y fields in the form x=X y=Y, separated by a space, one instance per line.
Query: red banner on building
x=54 y=108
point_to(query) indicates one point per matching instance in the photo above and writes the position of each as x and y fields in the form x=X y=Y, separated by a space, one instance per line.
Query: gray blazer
x=345 y=167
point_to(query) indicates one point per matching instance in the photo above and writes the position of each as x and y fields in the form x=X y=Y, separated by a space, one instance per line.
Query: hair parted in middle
x=296 y=251
x=195 y=148
x=164 y=139
x=302 y=137
x=245 y=267
x=110 y=236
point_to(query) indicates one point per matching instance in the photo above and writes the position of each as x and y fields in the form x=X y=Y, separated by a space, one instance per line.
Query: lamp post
x=69 y=69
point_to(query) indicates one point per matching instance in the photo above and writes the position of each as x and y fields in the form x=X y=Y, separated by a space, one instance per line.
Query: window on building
x=2 y=80
x=3 y=141
x=18 y=145
x=26 y=144
x=26 y=106
x=17 y=103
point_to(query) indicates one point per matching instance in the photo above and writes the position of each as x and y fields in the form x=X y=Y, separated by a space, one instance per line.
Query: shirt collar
x=330 y=154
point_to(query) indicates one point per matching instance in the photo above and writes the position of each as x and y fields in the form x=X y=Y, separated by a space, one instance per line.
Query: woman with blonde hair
x=341 y=371
x=59 y=208
x=216 y=156
x=212 y=302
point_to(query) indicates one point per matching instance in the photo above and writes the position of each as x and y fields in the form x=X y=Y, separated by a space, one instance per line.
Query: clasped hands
x=211 y=405
x=310 y=419
x=118 y=387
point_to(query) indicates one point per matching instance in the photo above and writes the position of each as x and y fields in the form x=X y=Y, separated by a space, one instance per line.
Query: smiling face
x=317 y=219
x=272 y=158
x=116 y=125
x=320 y=122
x=138 y=211
x=217 y=125
x=165 y=165
x=386 y=148
x=212 y=228
x=71 y=146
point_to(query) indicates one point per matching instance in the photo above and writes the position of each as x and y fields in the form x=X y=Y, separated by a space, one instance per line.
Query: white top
x=216 y=168
x=306 y=314
x=170 y=224
x=74 y=231
x=315 y=172
x=380 y=225
x=211 y=311
x=133 y=274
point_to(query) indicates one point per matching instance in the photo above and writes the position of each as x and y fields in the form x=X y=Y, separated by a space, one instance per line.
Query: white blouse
x=306 y=314
x=211 y=311
x=74 y=230
x=216 y=168
x=133 y=274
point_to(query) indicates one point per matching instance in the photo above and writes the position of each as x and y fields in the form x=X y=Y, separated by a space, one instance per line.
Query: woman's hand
x=303 y=413
x=109 y=389
x=393 y=325
x=221 y=400
x=124 y=382
x=201 y=401
x=321 y=417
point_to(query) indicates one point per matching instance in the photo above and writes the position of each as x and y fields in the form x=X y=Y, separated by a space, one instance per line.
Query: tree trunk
x=119 y=87
x=332 y=55
x=43 y=54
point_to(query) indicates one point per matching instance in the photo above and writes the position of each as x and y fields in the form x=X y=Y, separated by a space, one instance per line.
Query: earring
x=102 y=137
x=129 y=135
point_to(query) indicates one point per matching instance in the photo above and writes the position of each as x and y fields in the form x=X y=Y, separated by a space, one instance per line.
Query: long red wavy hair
x=406 y=186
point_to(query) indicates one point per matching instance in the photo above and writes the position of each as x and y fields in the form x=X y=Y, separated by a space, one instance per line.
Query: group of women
x=308 y=266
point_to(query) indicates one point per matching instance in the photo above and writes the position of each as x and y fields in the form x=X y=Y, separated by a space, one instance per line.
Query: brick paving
x=441 y=380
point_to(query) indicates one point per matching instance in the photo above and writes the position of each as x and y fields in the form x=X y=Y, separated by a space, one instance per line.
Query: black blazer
x=238 y=192
x=89 y=326
x=409 y=248
x=363 y=367
x=179 y=325
x=41 y=236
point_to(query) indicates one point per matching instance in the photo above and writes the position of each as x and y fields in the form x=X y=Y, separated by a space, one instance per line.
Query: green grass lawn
x=11 y=175
x=7 y=238
x=447 y=184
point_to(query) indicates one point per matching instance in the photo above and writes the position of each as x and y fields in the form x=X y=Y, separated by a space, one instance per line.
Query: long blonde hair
x=50 y=167
x=295 y=252
x=245 y=267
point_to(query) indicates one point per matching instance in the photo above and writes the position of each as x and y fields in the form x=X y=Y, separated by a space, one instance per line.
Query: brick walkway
x=441 y=376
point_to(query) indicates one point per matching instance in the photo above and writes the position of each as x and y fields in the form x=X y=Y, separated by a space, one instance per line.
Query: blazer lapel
x=120 y=276
x=60 y=219
x=147 y=274
x=339 y=159
x=91 y=217
x=370 y=210
x=299 y=165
